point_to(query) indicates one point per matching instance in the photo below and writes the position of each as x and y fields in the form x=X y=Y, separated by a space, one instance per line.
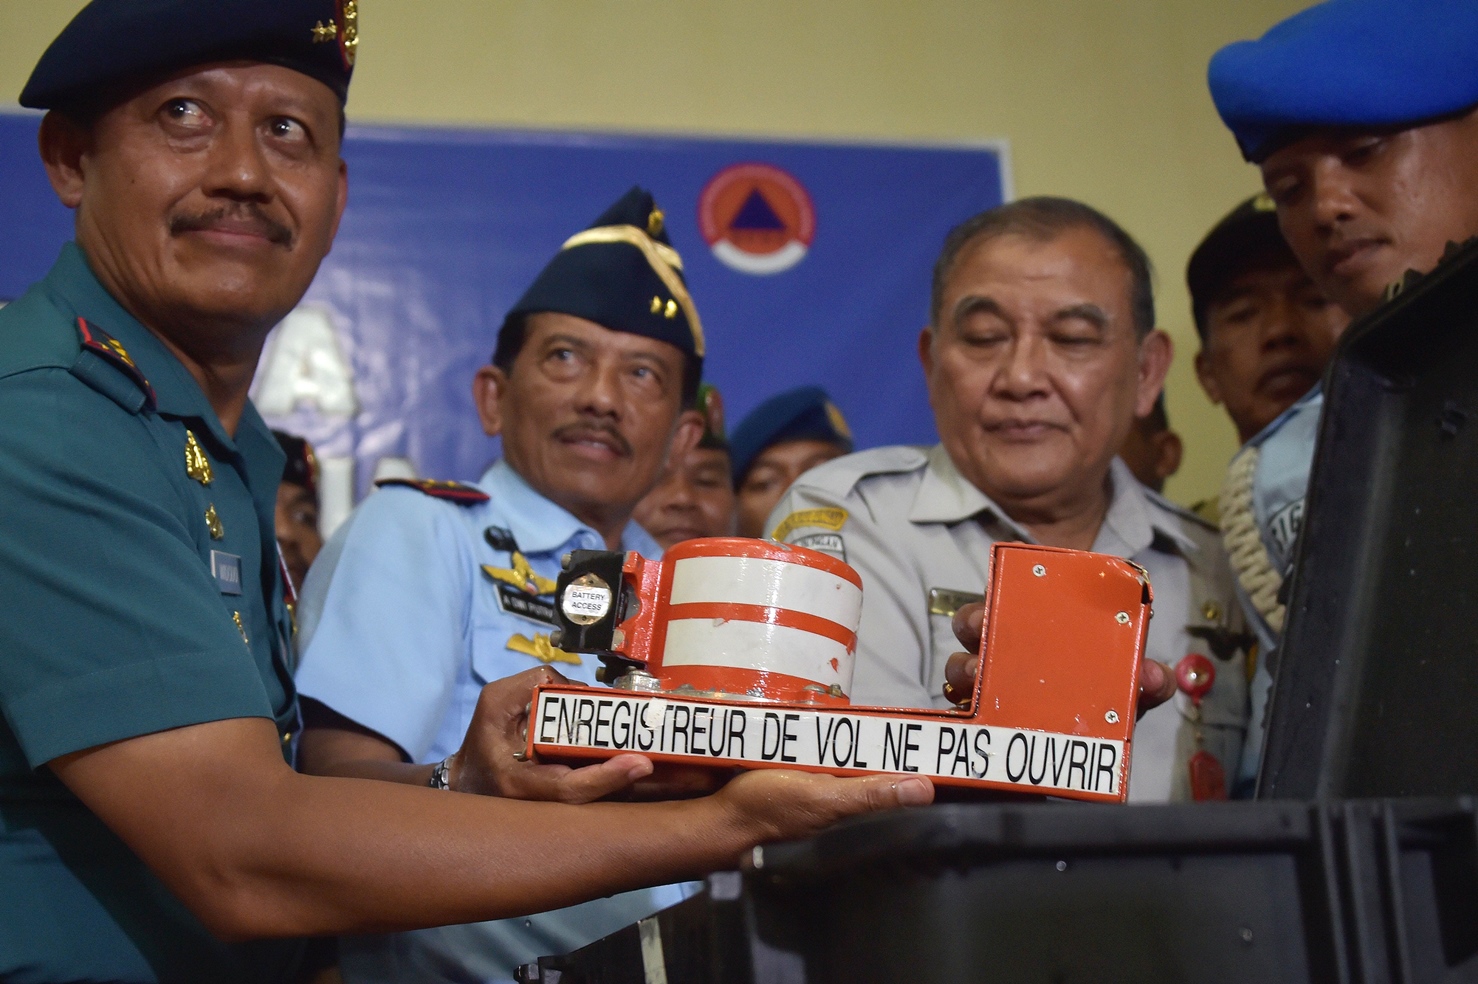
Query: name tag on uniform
x=521 y=603
x=943 y=601
x=227 y=571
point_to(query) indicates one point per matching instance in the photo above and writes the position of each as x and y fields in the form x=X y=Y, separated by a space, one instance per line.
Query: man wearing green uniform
x=147 y=809
x=130 y=511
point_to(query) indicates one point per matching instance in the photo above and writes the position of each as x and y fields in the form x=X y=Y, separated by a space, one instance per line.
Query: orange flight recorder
x=737 y=652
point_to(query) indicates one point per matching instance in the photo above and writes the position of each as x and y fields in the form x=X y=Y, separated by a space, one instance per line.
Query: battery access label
x=831 y=740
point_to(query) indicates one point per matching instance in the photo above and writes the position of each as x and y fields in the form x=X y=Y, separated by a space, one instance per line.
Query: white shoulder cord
x=1245 y=549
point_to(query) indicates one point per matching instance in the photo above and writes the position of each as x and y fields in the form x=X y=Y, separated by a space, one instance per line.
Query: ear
x=341 y=198
x=63 y=144
x=1168 y=451
x=1155 y=353
x=926 y=350
x=1207 y=380
x=685 y=436
x=488 y=389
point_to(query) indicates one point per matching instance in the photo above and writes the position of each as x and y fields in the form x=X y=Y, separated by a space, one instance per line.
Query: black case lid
x=1377 y=684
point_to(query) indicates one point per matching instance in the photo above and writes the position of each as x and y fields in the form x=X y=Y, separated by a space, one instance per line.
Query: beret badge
x=344 y=30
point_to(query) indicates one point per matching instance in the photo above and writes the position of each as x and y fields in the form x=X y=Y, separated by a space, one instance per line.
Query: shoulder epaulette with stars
x=458 y=492
x=95 y=340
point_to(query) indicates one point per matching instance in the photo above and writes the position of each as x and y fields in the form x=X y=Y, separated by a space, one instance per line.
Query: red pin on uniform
x=1194 y=675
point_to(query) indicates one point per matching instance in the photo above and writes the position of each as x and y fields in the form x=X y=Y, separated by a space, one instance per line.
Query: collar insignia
x=197 y=465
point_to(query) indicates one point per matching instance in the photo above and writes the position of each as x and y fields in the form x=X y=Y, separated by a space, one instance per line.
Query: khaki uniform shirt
x=920 y=536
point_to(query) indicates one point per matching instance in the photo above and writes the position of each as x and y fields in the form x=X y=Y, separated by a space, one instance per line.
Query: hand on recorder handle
x=490 y=761
x=1156 y=680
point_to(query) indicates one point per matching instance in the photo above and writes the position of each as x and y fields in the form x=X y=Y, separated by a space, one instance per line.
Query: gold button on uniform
x=213 y=523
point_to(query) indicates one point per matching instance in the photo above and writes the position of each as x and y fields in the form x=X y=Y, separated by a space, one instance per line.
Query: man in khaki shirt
x=1040 y=352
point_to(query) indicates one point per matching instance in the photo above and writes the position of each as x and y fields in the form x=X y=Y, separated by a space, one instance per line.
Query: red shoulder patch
x=96 y=340
x=463 y=495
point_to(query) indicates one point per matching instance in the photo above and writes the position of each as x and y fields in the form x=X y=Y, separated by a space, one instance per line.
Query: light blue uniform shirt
x=400 y=630
x=1286 y=456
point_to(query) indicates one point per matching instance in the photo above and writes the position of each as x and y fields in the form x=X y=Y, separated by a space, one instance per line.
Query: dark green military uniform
x=141 y=592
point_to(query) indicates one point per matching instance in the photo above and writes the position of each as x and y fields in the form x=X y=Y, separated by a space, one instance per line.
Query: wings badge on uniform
x=521 y=576
x=541 y=649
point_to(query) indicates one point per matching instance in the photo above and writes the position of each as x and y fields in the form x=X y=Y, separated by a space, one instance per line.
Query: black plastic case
x=1377 y=685
x=1275 y=893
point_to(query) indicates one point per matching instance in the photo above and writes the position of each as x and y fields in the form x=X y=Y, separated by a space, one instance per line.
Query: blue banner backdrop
x=818 y=273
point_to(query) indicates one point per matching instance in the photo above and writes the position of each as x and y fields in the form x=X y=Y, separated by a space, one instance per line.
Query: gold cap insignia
x=665 y=263
x=312 y=463
x=711 y=405
x=541 y=649
x=654 y=222
x=213 y=523
x=323 y=33
x=349 y=35
x=197 y=465
x=838 y=422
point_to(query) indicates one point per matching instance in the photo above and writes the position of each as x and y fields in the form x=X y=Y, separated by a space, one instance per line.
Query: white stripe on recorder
x=753 y=581
x=758 y=646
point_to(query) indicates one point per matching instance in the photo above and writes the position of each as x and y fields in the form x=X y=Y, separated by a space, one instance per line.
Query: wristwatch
x=439 y=776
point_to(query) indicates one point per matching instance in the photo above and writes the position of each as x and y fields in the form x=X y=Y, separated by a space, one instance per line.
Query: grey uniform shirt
x=920 y=536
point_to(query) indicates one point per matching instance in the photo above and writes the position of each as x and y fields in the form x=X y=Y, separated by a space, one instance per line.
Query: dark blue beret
x=621 y=273
x=1348 y=63
x=804 y=413
x=1247 y=238
x=113 y=42
x=302 y=463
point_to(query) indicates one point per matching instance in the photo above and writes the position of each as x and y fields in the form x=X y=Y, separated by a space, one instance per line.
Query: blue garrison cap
x=1348 y=63
x=112 y=43
x=621 y=273
x=802 y=414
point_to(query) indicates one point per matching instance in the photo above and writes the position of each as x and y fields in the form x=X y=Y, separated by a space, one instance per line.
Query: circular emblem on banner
x=757 y=218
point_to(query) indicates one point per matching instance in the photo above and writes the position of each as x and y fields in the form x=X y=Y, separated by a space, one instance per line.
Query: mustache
x=245 y=217
x=587 y=429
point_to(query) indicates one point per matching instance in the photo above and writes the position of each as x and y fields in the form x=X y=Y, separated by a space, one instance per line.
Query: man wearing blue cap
x=782 y=439
x=431 y=590
x=148 y=811
x=1363 y=118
